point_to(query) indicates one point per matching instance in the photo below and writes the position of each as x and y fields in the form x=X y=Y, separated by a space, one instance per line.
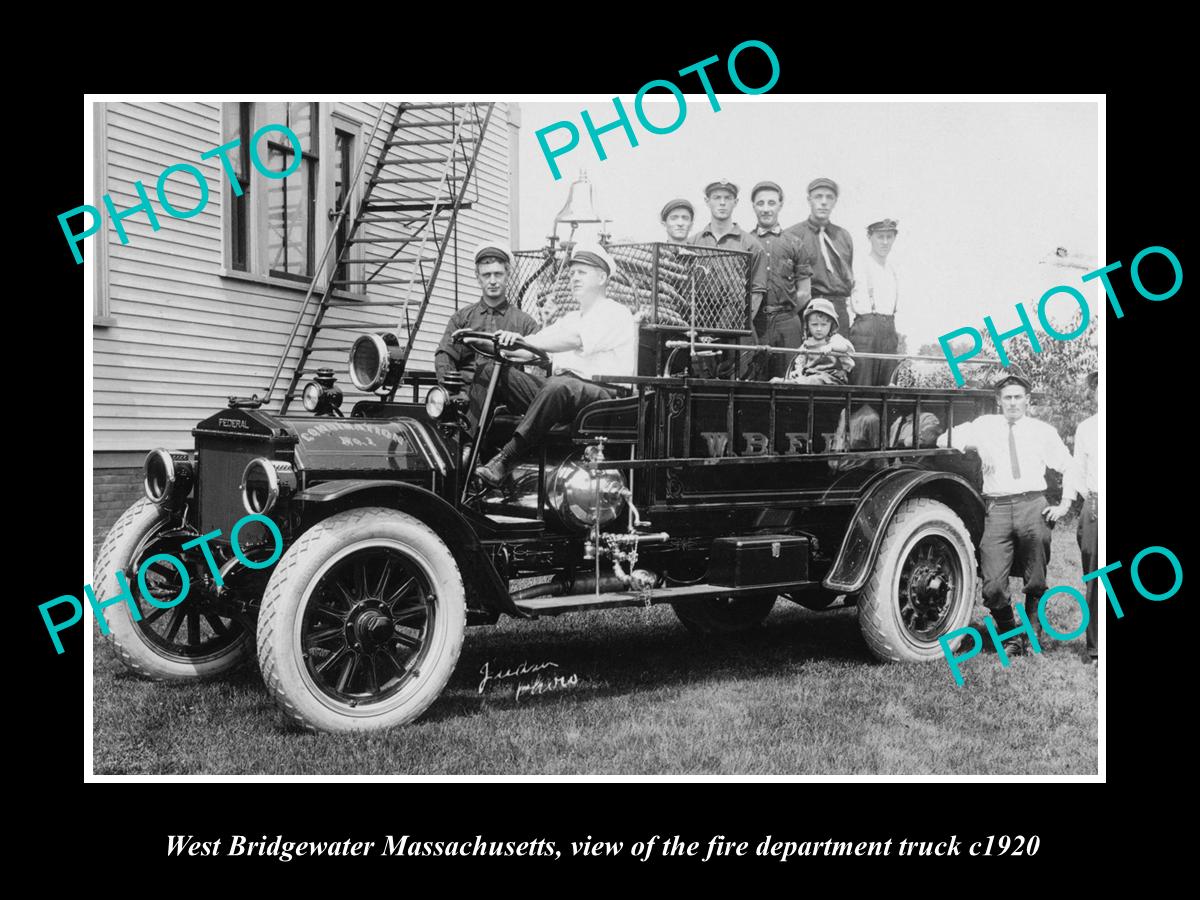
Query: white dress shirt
x=604 y=338
x=1084 y=476
x=1039 y=447
x=876 y=287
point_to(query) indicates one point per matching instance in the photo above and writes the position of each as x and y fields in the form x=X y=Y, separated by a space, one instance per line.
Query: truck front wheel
x=189 y=640
x=923 y=584
x=362 y=622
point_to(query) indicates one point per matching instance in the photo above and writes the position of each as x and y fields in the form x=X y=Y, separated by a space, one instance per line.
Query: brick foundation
x=113 y=491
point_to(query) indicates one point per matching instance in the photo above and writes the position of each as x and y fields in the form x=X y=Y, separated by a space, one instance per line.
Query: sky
x=984 y=192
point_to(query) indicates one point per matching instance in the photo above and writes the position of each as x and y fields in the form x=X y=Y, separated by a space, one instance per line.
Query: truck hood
x=364 y=445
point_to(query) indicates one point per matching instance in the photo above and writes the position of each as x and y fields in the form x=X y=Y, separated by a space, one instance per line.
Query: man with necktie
x=1015 y=450
x=831 y=248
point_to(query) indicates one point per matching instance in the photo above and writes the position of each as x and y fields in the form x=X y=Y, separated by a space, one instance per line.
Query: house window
x=292 y=201
x=271 y=227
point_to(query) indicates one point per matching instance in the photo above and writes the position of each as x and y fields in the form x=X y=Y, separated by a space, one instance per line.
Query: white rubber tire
x=879 y=614
x=296 y=575
x=126 y=637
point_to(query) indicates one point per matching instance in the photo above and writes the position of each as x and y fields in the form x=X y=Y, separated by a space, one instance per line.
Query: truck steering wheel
x=485 y=344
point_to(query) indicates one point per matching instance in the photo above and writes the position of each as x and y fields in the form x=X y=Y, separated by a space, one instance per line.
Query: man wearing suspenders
x=873 y=302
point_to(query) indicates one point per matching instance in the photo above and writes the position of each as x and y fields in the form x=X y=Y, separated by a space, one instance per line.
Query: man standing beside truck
x=1015 y=450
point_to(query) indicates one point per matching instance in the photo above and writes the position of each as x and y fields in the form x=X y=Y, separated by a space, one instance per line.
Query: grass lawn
x=801 y=695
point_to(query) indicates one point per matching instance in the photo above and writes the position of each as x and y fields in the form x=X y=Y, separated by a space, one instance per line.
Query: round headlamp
x=312 y=396
x=263 y=481
x=375 y=361
x=167 y=476
x=320 y=398
x=435 y=402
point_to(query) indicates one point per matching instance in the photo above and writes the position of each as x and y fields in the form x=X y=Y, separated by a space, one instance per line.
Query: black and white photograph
x=679 y=435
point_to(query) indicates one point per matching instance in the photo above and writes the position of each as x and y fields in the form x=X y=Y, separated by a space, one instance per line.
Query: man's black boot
x=1014 y=646
x=496 y=471
x=1007 y=621
x=1031 y=616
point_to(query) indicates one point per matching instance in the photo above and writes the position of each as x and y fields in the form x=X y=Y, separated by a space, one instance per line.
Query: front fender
x=874 y=512
x=485 y=590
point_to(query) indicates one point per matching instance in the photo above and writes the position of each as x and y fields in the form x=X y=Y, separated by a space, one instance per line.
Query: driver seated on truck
x=493 y=312
x=600 y=338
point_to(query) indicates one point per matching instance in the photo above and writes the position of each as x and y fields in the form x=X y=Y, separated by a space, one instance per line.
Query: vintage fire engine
x=717 y=495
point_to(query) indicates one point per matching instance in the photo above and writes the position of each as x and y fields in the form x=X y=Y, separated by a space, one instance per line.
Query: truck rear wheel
x=362 y=622
x=923 y=584
x=723 y=615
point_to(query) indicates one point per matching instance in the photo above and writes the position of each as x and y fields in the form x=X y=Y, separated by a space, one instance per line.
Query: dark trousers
x=1087 y=533
x=874 y=333
x=1015 y=529
x=546 y=402
x=775 y=329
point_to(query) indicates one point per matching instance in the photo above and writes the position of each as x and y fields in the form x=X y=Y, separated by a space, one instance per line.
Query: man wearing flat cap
x=1015 y=450
x=831 y=246
x=493 y=312
x=1084 y=480
x=600 y=338
x=788 y=273
x=722 y=232
x=873 y=301
x=677 y=217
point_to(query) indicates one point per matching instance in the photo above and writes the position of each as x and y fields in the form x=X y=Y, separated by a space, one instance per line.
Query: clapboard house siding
x=185 y=333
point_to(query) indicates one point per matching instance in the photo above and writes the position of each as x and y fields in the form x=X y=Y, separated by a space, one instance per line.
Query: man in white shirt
x=873 y=302
x=1015 y=450
x=1084 y=480
x=598 y=339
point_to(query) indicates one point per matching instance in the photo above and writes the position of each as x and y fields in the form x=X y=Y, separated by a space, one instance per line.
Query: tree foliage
x=1058 y=372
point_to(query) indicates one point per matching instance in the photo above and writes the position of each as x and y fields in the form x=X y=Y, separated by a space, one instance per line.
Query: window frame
x=239 y=257
x=336 y=121
x=308 y=155
x=321 y=188
x=98 y=256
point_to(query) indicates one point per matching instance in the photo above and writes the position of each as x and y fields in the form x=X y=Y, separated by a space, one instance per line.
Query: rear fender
x=874 y=513
x=485 y=590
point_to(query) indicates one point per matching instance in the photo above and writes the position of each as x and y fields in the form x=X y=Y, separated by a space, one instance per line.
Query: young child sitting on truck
x=825 y=357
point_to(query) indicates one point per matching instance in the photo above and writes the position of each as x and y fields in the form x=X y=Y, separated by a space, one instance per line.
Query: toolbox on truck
x=758 y=559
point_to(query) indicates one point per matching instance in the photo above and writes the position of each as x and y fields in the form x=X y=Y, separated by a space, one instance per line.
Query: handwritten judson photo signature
x=540 y=684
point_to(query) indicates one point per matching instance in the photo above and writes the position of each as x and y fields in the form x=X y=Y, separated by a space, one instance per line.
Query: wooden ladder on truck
x=424 y=209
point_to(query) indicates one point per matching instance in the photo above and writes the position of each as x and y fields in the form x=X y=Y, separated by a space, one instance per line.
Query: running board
x=553 y=606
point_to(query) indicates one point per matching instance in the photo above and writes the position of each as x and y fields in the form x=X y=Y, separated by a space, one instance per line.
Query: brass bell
x=581 y=204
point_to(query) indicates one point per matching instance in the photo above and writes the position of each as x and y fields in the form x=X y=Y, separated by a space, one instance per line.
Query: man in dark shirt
x=722 y=232
x=492 y=313
x=830 y=247
x=788 y=273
